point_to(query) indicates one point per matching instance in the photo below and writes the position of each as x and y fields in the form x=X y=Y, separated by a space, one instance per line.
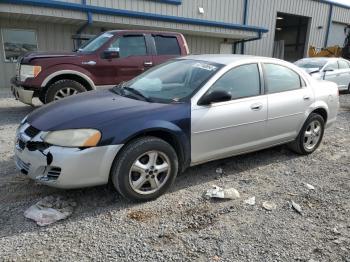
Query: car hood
x=28 y=57
x=90 y=110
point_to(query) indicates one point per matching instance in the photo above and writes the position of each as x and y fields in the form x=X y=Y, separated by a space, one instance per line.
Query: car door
x=331 y=72
x=166 y=47
x=344 y=78
x=288 y=98
x=134 y=58
x=227 y=128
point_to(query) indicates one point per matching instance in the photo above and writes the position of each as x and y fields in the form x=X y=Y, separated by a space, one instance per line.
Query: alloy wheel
x=149 y=172
x=64 y=92
x=312 y=135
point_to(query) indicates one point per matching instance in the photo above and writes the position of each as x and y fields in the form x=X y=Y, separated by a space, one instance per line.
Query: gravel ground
x=181 y=225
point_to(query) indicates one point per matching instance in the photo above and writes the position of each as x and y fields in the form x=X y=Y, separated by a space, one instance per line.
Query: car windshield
x=173 y=81
x=95 y=43
x=311 y=63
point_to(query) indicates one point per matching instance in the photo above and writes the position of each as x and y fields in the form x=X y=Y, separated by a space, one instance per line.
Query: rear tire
x=144 y=169
x=310 y=135
x=63 y=88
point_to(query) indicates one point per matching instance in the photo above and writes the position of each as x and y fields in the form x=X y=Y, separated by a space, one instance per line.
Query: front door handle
x=256 y=107
x=148 y=63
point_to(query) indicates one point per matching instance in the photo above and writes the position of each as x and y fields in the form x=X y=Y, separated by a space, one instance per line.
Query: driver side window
x=239 y=82
x=129 y=46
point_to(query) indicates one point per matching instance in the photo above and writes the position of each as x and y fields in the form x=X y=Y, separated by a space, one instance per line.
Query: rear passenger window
x=239 y=82
x=130 y=46
x=332 y=66
x=167 y=45
x=343 y=64
x=280 y=78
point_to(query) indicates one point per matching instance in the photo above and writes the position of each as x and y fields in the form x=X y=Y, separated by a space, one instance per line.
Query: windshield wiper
x=136 y=92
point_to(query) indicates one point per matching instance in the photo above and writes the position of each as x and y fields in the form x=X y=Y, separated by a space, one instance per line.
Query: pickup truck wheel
x=310 y=135
x=144 y=169
x=62 y=89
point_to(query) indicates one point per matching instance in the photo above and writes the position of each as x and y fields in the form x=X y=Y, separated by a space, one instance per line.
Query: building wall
x=228 y=11
x=341 y=15
x=264 y=12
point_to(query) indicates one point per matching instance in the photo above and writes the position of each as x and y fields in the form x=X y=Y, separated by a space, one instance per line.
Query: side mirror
x=110 y=54
x=215 y=97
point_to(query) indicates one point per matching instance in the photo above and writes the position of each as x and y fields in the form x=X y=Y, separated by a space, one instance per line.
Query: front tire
x=145 y=169
x=310 y=135
x=63 y=88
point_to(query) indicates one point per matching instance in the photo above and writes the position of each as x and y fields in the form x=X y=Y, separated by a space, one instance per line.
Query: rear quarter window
x=167 y=45
x=280 y=79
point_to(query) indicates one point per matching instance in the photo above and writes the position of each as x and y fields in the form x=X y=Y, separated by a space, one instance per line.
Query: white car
x=332 y=69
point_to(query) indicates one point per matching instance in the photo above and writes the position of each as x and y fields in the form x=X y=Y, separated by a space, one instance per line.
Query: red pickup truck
x=104 y=61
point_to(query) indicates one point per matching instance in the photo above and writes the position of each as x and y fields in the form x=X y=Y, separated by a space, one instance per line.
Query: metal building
x=280 y=28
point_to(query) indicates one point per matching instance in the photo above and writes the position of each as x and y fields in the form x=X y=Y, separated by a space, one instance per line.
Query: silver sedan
x=185 y=112
x=332 y=69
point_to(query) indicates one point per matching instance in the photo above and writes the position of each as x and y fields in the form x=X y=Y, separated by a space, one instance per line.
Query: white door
x=344 y=72
x=288 y=100
x=331 y=72
x=231 y=127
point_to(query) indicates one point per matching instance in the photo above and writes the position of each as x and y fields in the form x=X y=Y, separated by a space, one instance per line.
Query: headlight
x=73 y=137
x=29 y=71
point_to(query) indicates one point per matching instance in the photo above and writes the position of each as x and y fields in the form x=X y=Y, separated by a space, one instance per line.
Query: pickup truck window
x=167 y=45
x=95 y=43
x=130 y=46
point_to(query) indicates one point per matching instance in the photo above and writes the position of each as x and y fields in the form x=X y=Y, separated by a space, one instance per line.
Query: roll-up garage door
x=337 y=35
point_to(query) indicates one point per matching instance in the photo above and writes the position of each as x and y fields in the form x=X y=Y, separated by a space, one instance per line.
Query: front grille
x=31 y=131
x=21 y=144
x=24 y=167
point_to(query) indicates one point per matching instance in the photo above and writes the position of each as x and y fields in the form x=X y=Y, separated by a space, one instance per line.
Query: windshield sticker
x=107 y=35
x=205 y=66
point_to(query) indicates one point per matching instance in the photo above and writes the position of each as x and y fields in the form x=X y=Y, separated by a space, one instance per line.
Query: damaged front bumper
x=63 y=167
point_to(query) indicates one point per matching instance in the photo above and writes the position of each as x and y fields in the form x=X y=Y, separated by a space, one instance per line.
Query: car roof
x=321 y=58
x=141 y=31
x=227 y=59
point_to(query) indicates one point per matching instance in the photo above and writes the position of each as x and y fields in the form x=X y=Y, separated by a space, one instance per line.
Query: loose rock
x=269 y=205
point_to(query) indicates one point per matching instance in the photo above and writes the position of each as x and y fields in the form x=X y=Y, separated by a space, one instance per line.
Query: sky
x=344 y=2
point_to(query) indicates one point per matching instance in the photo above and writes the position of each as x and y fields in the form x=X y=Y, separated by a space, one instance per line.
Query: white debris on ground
x=250 y=201
x=218 y=192
x=311 y=187
x=49 y=210
x=296 y=207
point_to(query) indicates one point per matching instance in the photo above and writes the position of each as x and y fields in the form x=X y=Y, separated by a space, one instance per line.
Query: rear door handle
x=148 y=63
x=306 y=97
x=256 y=107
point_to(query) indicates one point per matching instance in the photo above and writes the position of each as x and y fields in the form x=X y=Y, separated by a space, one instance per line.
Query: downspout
x=329 y=24
x=245 y=18
x=86 y=24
